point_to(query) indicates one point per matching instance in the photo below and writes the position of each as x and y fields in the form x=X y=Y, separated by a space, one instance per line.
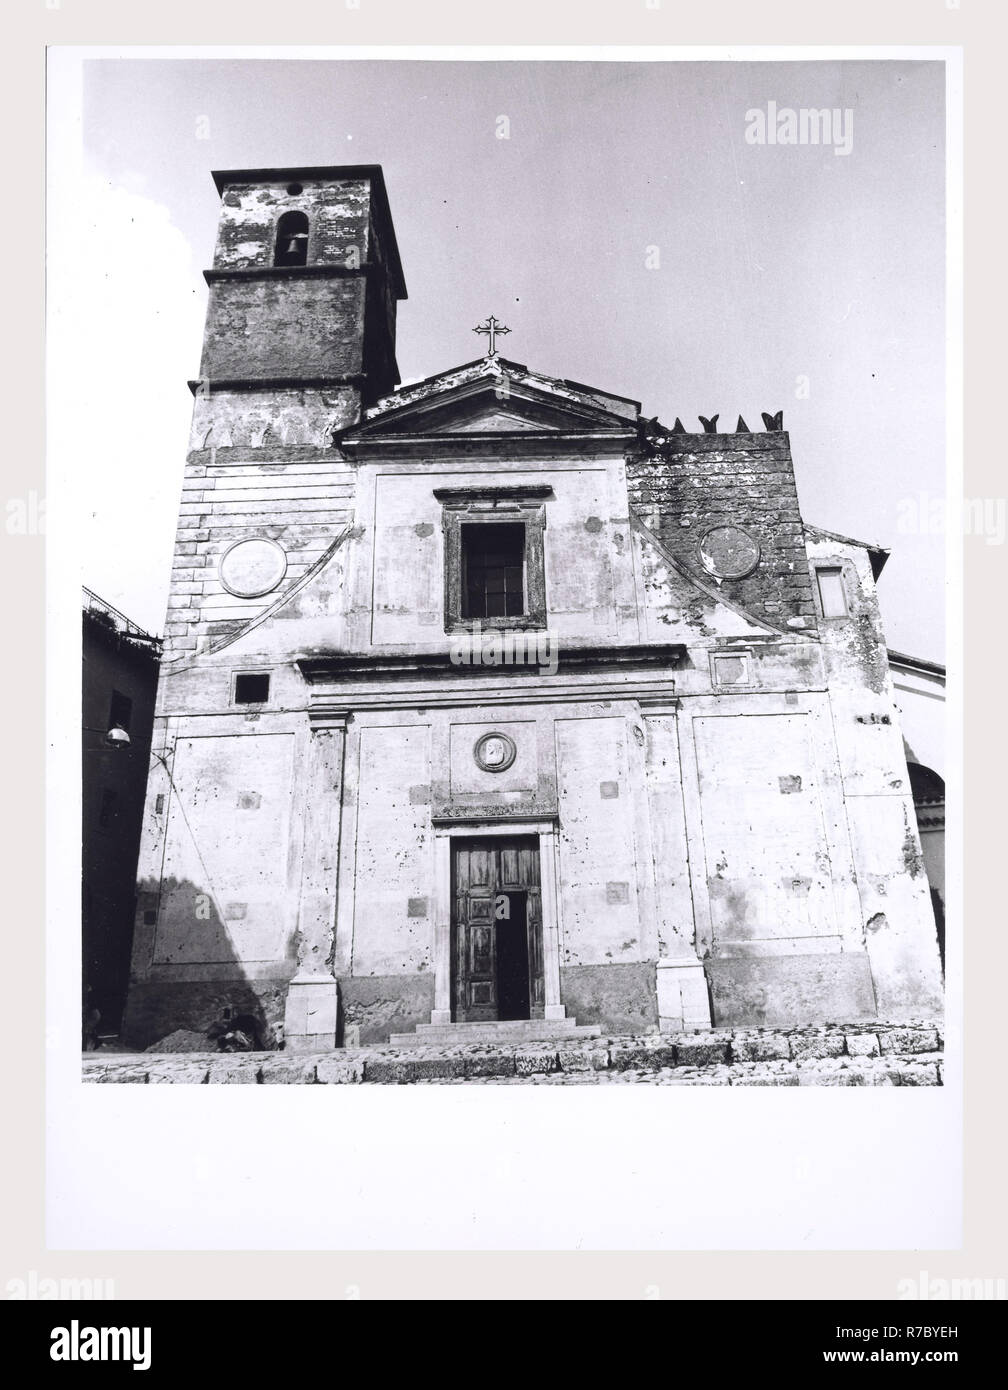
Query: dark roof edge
x=919 y=663
x=879 y=554
x=373 y=172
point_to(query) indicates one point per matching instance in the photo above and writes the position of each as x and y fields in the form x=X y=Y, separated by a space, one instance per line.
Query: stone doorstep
x=516 y=1031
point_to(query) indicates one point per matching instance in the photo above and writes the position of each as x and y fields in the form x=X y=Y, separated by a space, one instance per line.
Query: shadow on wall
x=939 y=912
x=219 y=1007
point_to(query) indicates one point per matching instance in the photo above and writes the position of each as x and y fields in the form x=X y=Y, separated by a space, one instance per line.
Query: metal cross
x=492 y=329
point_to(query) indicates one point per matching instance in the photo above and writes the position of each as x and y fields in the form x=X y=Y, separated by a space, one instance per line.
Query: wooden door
x=483 y=872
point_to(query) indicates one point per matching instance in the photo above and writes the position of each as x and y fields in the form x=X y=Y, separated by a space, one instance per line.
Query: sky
x=626 y=230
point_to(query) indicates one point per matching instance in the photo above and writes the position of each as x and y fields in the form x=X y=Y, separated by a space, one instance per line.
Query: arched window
x=292 y=240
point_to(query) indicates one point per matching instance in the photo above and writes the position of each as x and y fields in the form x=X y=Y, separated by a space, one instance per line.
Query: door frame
x=546 y=831
x=486 y=893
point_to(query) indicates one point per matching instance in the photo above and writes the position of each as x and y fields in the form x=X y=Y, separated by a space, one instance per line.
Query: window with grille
x=493 y=565
x=495 y=570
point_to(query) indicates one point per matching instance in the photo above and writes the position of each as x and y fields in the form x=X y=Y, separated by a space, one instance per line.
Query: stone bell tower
x=304 y=284
x=300 y=335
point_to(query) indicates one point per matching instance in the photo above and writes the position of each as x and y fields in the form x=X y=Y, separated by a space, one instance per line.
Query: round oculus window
x=728 y=552
x=495 y=752
x=252 y=568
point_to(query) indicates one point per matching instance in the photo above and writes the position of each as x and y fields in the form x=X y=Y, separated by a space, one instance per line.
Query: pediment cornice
x=479 y=407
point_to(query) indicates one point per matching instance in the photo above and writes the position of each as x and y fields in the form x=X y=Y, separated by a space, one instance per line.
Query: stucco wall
x=602 y=915
x=391 y=854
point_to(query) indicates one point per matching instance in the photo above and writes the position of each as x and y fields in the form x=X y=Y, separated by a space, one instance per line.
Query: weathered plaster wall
x=897 y=920
x=338 y=211
x=672 y=602
x=588 y=571
x=228 y=861
x=391 y=856
x=767 y=862
x=301 y=498
x=705 y=480
x=157 y=1007
x=676 y=926
x=218 y=877
x=377 y=1005
x=285 y=328
x=602 y=914
x=291 y=417
x=620 y=996
x=775 y=991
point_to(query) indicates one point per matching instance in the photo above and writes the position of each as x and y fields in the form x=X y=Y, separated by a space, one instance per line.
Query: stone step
x=513 y=1031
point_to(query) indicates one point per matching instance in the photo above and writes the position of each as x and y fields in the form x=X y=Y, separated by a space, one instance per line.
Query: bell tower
x=303 y=292
x=299 y=338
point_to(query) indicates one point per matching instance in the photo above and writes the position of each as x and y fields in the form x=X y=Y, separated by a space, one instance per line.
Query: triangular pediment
x=493 y=398
x=488 y=420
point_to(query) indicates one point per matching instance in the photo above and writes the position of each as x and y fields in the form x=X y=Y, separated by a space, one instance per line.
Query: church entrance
x=496 y=929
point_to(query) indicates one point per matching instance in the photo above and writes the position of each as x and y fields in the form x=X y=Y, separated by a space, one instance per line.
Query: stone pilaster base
x=683 y=1001
x=311 y=1014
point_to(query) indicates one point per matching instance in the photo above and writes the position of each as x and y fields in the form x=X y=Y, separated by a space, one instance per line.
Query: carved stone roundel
x=252 y=568
x=495 y=752
x=729 y=552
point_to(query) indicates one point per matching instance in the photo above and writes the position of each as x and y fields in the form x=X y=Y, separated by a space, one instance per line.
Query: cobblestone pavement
x=905 y=1054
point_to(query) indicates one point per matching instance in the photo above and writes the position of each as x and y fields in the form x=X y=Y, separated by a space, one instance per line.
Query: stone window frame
x=839 y=567
x=745 y=654
x=493 y=505
x=250 y=704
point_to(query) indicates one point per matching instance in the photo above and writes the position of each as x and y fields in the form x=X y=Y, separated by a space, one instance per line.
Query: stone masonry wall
x=703 y=480
x=332 y=318
x=300 y=497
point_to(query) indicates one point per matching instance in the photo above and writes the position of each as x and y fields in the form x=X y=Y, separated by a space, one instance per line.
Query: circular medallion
x=252 y=568
x=494 y=752
x=728 y=552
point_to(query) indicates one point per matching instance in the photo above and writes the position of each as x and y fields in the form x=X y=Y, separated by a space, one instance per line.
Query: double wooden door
x=497 y=950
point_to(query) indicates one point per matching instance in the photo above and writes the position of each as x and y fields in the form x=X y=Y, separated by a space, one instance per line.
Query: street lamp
x=116 y=737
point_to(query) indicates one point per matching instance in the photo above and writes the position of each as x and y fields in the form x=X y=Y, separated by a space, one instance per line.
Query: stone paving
x=905 y=1054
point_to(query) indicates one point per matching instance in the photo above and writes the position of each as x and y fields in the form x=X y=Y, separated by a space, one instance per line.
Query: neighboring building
x=119 y=688
x=688 y=804
x=920 y=697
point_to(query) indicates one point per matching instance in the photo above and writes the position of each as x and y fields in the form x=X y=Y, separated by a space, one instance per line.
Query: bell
x=293 y=246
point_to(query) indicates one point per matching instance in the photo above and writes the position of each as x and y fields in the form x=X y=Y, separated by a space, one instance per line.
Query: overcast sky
x=788 y=276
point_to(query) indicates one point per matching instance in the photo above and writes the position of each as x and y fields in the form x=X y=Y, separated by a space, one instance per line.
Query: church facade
x=488 y=699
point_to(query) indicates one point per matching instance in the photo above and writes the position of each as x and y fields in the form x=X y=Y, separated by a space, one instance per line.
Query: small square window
x=832 y=595
x=251 y=689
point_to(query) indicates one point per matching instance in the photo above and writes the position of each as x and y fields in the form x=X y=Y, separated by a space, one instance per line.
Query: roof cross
x=492 y=329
